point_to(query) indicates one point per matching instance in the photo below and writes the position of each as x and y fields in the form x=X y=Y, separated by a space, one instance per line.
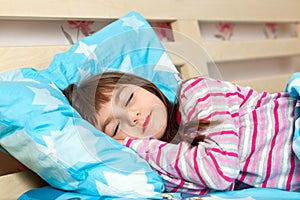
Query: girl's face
x=132 y=112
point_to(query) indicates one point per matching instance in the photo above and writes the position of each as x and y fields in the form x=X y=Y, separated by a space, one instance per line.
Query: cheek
x=160 y=134
x=121 y=135
x=129 y=131
x=159 y=121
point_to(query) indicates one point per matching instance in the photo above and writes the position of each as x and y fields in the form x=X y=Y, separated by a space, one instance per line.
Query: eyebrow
x=117 y=94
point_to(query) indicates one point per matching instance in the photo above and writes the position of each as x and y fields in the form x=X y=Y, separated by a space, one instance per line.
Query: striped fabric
x=249 y=143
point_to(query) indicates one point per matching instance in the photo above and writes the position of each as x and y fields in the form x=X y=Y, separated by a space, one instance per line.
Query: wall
x=22 y=33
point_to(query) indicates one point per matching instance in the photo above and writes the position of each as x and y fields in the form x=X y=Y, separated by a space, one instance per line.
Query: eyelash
x=116 y=129
x=129 y=99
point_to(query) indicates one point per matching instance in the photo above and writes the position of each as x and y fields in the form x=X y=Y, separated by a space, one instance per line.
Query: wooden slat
x=39 y=57
x=9 y=164
x=271 y=84
x=243 y=50
x=298 y=29
x=204 y=10
x=188 y=28
x=189 y=53
x=28 y=56
x=14 y=185
x=187 y=32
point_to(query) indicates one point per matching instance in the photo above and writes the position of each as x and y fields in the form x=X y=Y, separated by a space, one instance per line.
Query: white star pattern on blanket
x=126 y=65
x=54 y=86
x=165 y=64
x=117 y=180
x=88 y=51
x=50 y=149
x=16 y=75
x=132 y=22
x=44 y=98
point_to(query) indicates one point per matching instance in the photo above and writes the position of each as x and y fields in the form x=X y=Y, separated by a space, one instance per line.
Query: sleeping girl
x=217 y=136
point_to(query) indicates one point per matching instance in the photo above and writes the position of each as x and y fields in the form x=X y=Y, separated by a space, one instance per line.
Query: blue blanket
x=293 y=88
x=245 y=194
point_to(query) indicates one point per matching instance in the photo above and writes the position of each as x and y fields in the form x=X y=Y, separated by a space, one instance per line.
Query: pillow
x=42 y=130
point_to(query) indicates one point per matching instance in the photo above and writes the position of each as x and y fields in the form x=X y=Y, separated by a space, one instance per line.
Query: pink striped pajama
x=250 y=143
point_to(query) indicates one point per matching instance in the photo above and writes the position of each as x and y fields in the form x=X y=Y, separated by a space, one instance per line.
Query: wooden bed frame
x=184 y=15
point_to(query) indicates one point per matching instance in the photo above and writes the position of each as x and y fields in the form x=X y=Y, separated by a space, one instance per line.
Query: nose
x=135 y=118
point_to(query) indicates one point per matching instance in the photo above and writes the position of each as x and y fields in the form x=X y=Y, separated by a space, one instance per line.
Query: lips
x=146 y=123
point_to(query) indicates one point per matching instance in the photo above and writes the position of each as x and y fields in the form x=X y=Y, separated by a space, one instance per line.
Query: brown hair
x=92 y=93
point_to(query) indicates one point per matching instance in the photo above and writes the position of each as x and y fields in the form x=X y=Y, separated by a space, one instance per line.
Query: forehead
x=123 y=88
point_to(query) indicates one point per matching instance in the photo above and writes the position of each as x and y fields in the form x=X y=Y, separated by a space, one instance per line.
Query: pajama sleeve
x=211 y=165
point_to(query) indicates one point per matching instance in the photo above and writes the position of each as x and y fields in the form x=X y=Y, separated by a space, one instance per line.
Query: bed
x=185 y=18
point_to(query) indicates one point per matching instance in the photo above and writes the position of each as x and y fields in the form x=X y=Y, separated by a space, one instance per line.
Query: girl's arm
x=214 y=163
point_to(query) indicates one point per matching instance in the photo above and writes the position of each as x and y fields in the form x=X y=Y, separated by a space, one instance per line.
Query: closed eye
x=128 y=100
x=116 y=129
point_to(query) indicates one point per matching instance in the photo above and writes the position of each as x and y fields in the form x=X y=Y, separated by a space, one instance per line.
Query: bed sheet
x=245 y=194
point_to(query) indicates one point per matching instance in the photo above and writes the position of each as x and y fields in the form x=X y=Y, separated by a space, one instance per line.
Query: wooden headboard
x=185 y=17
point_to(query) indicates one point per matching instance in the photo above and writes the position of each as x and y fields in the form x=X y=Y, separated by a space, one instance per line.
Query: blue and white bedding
x=245 y=194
